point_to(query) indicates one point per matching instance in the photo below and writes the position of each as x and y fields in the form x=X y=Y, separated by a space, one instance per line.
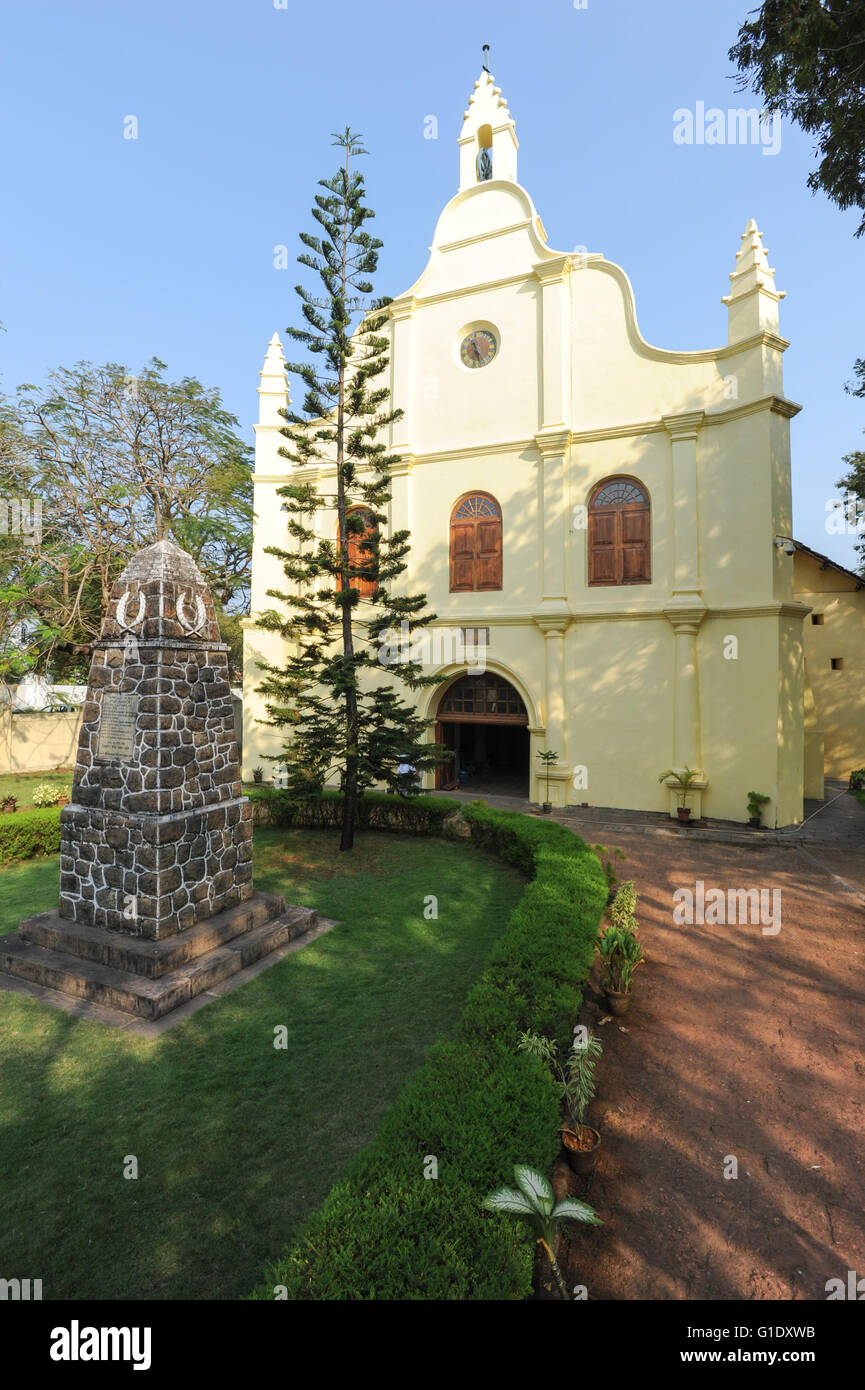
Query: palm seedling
x=682 y=785
x=534 y=1200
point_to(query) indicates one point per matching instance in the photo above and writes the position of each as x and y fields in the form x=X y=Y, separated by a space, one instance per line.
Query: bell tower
x=488 y=140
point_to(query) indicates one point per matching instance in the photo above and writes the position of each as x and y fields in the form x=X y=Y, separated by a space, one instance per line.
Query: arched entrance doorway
x=483 y=719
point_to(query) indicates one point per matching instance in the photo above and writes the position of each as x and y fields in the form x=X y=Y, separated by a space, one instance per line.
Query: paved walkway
x=738 y=1045
x=837 y=821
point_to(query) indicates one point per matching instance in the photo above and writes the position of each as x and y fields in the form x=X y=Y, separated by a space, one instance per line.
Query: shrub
x=29 y=833
x=413 y=815
x=756 y=802
x=857 y=780
x=477 y=1104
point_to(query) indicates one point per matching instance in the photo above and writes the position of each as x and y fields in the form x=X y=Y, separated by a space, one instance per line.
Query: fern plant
x=533 y=1199
x=576 y=1075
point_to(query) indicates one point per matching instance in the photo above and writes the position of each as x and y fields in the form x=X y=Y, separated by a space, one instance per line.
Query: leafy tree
x=339 y=713
x=853 y=482
x=806 y=58
x=117 y=461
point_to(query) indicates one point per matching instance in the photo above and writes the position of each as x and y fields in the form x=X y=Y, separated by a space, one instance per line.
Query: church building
x=602 y=526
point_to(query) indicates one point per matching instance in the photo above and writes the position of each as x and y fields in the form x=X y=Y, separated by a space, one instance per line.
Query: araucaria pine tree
x=349 y=635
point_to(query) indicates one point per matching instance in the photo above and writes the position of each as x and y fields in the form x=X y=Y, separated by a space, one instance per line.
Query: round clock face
x=479 y=348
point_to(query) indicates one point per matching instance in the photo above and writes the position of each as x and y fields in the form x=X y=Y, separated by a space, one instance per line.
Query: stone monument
x=156 y=896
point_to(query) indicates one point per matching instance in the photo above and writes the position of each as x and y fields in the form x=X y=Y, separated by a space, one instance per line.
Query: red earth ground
x=738 y=1045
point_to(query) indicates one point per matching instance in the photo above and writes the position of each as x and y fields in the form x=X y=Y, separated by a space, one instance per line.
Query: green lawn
x=23 y=784
x=236 y=1142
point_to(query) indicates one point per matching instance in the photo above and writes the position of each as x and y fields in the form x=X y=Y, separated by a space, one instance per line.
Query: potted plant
x=547 y=758
x=756 y=802
x=620 y=950
x=606 y=857
x=682 y=786
x=10 y=803
x=576 y=1080
x=535 y=1200
x=258 y=774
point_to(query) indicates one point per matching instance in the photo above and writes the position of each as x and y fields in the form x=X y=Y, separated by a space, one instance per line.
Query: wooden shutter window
x=358 y=553
x=475 y=544
x=619 y=533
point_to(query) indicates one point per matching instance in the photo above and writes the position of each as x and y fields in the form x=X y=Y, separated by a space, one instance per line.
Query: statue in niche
x=484 y=165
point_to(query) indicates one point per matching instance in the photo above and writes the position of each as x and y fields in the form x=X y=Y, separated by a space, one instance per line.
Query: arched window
x=476 y=544
x=489 y=698
x=619 y=533
x=359 y=553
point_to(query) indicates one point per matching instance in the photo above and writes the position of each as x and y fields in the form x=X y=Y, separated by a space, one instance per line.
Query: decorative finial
x=486 y=57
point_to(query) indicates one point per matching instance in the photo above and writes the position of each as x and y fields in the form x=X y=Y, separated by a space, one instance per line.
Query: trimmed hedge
x=414 y=815
x=25 y=833
x=477 y=1106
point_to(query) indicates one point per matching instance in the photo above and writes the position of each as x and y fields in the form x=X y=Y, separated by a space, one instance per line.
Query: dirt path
x=738 y=1044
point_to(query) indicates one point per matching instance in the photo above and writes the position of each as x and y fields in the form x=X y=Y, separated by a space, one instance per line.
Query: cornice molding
x=553 y=624
x=523 y=225
x=403 y=308
x=685 y=617
x=403 y=467
x=556 y=270
x=685 y=426
x=552 y=440
x=464 y=291
x=779 y=405
x=532 y=619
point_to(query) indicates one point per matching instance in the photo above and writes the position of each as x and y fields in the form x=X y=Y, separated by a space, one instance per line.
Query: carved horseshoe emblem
x=121 y=611
x=200 y=613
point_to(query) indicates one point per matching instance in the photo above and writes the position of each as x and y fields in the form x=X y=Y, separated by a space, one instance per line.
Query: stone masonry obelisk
x=156 y=895
x=158 y=835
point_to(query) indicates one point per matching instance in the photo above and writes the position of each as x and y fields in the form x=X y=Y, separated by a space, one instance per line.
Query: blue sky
x=115 y=249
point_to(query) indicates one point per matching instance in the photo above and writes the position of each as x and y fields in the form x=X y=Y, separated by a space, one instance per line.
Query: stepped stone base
x=146 y=978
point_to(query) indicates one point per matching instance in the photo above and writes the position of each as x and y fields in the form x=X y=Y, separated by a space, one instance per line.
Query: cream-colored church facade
x=637 y=596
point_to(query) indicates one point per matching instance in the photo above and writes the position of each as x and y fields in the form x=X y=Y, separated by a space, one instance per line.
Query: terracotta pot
x=581 y=1160
x=546 y=807
x=618 y=1001
x=684 y=813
